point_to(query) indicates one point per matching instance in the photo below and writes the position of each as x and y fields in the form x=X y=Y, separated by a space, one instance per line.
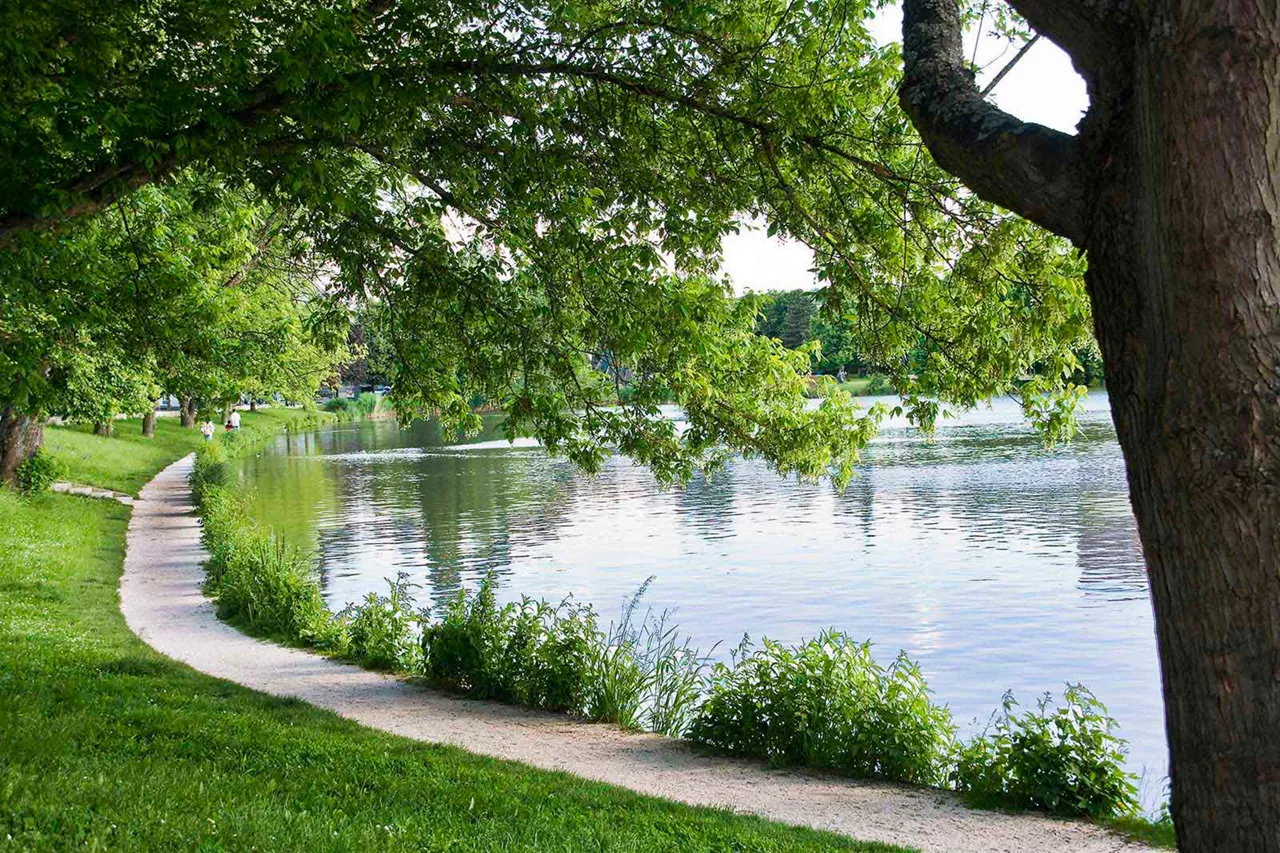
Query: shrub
x=38 y=472
x=380 y=632
x=530 y=653
x=212 y=467
x=352 y=408
x=268 y=585
x=827 y=703
x=548 y=650
x=258 y=580
x=1064 y=759
x=225 y=524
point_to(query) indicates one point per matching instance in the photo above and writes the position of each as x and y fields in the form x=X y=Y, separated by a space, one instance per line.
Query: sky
x=1042 y=87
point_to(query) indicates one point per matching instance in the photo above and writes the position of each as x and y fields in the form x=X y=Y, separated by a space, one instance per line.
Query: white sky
x=1042 y=87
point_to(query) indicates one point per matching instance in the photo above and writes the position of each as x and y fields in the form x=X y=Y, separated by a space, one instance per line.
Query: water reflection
x=996 y=562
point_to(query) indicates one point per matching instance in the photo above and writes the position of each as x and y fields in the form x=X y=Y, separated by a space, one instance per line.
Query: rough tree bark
x=1173 y=189
x=149 y=424
x=20 y=437
x=187 y=411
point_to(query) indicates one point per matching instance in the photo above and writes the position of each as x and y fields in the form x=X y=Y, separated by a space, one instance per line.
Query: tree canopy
x=526 y=187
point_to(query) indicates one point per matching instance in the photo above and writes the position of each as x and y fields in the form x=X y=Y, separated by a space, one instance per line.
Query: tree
x=529 y=188
x=196 y=288
x=1172 y=187
x=797 y=327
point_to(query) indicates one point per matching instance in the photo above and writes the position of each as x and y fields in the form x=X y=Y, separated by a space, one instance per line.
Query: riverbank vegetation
x=355 y=408
x=529 y=187
x=109 y=745
x=825 y=703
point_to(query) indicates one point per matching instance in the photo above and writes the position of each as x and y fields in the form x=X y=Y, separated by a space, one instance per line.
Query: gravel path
x=161 y=599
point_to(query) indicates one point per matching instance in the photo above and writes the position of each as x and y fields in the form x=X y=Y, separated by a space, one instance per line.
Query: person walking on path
x=234 y=420
x=206 y=429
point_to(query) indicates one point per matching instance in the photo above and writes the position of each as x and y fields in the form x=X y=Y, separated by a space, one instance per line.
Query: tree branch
x=1090 y=31
x=1000 y=75
x=1025 y=167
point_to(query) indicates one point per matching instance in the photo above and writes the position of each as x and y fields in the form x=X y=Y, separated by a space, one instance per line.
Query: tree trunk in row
x=187 y=411
x=149 y=424
x=20 y=437
x=1173 y=188
x=102 y=428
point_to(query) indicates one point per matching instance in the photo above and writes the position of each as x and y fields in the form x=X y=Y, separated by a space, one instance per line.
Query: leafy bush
x=380 y=632
x=212 y=467
x=1064 y=759
x=827 y=703
x=530 y=653
x=352 y=408
x=260 y=581
x=38 y=472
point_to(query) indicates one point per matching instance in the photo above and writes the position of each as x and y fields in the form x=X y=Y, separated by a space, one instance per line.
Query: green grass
x=1157 y=833
x=105 y=744
x=126 y=461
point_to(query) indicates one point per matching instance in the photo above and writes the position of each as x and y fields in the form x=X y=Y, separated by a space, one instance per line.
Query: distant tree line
x=797 y=318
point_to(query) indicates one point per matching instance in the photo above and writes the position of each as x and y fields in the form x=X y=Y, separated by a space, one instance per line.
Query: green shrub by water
x=38 y=472
x=352 y=408
x=380 y=631
x=1065 y=759
x=530 y=653
x=827 y=703
x=211 y=468
x=260 y=581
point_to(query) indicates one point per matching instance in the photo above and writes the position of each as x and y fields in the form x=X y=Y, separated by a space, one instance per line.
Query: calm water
x=996 y=563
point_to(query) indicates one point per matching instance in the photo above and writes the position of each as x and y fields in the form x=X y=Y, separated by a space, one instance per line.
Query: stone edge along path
x=160 y=596
x=63 y=487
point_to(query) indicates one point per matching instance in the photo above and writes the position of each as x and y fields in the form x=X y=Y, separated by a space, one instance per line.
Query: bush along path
x=530 y=653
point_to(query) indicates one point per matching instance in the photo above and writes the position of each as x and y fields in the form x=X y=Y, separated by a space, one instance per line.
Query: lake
x=996 y=563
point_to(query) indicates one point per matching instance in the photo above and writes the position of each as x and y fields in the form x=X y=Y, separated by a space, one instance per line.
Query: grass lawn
x=126 y=461
x=105 y=744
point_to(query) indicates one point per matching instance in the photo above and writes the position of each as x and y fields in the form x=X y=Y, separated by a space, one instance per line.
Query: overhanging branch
x=1025 y=167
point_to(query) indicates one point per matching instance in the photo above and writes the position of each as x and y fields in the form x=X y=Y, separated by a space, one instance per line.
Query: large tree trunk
x=1178 y=168
x=1184 y=272
x=149 y=424
x=103 y=428
x=20 y=437
x=187 y=411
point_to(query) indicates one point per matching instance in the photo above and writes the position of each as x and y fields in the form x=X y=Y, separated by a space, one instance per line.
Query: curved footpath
x=162 y=602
